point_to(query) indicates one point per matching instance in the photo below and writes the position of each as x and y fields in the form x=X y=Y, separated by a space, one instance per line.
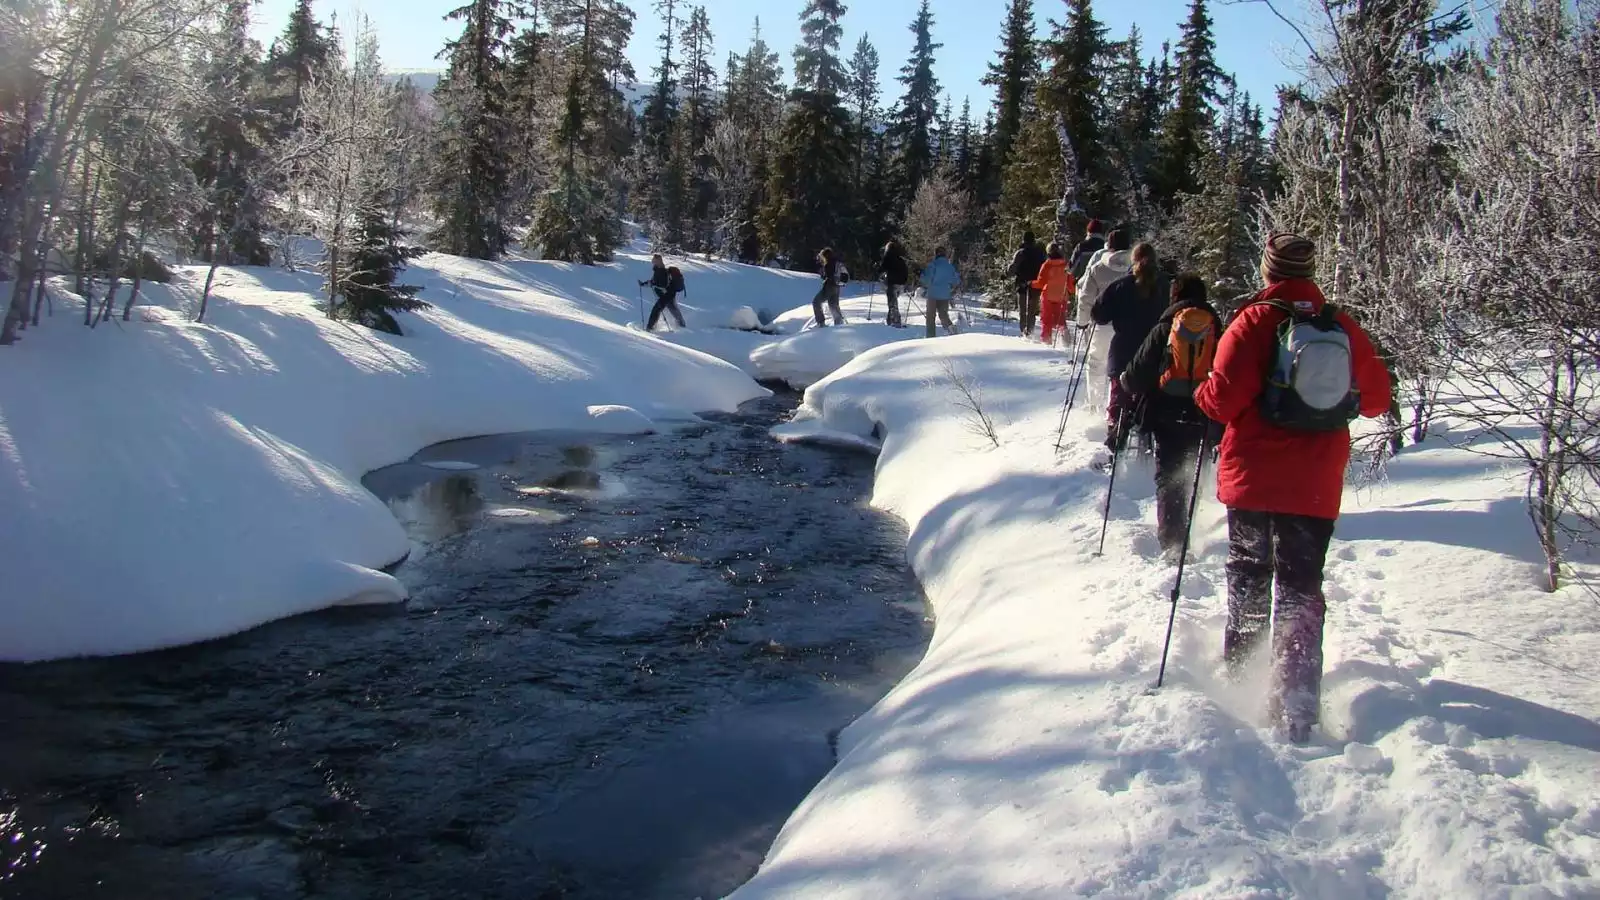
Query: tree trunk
x=205 y=293
x=138 y=268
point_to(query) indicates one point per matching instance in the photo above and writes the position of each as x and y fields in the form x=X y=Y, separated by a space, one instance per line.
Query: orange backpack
x=1191 y=349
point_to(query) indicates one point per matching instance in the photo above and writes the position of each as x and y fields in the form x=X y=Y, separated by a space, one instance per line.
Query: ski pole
x=1081 y=361
x=1188 y=526
x=1117 y=443
x=641 y=305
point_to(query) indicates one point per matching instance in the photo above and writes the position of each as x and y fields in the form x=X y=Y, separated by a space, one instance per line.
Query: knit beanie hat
x=1097 y=227
x=1288 y=256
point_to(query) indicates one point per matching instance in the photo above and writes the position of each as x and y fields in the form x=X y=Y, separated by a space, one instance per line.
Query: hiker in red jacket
x=1282 y=463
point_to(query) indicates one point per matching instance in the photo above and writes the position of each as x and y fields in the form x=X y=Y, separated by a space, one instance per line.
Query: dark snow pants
x=1027 y=307
x=1291 y=550
x=892 y=291
x=1177 y=444
x=829 y=293
x=665 y=302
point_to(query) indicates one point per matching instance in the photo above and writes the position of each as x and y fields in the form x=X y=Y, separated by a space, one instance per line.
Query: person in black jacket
x=1094 y=240
x=1025 y=269
x=895 y=274
x=1131 y=306
x=661 y=282
x=1170 y=416
x=829 y=293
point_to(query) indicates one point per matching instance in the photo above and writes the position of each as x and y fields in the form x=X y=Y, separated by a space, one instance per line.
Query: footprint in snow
x=1346 y=553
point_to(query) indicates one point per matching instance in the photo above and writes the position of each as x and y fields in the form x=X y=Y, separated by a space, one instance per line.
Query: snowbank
x=805 y=358
x=168 y=482
x=1024 y=756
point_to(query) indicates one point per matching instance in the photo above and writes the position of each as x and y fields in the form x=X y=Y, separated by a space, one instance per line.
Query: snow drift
x=1025 y=757
x=168 y=482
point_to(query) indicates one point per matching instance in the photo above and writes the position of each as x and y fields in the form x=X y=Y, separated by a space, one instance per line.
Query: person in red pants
x=1054 y=285
x=1281 y=467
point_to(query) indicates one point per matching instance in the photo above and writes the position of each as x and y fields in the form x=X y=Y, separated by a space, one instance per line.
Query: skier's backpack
x=844 y=275
x=675 y=280
x=1310 y=384
x=1191 y=351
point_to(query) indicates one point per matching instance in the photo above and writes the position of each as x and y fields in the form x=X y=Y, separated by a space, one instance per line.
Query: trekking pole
x=871 y=296
x=1188 y=526
x=1116 y=452
x=1080 y=361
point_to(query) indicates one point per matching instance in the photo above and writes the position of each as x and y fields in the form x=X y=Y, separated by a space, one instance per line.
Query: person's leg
x=889 y=291
x=816 y=306
x=928 y=307
x=944 y=316
x=833 y=305
x=677 y=314
x=1035 y=296
x=1024 y=321
x=655 y=313
x=1302 y=550
x=1249 y=569
x=1175 y=449
x=1119 y=414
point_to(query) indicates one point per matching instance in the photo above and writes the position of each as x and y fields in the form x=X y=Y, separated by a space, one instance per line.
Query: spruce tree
x=755 y=104
x=915 y=118
x=229 y=136
x=963 y=161
x=1135 y=114
x=1013 y=77
x=695 y=127
x=472 y=179
x=661 y=172
x=816 y=60
x=371 y=294
x=294 y=59
x=1070 y=92
x=864 y=93
x=577 y=219
x=531 y=80
x=1185 y=128
x=808 y=195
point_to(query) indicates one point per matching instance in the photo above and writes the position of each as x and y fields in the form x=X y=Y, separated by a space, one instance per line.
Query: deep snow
x=168 y=482
x=1025 y=757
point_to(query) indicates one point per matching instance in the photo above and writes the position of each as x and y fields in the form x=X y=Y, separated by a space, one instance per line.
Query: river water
x=625 y=662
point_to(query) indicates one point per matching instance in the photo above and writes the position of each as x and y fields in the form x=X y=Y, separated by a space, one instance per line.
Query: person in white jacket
x=1105 y=267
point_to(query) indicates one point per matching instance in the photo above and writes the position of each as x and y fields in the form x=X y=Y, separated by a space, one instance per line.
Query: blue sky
x=1250 y=42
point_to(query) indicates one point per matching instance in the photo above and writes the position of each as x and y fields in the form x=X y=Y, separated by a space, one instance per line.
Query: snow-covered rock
x=612 y=418
x=744 y=319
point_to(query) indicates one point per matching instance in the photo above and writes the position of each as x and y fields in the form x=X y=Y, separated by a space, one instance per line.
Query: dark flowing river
x=624 y=664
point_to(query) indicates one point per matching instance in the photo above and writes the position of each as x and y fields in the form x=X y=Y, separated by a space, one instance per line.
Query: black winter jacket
x=894 y=268
x=1142 y=377
x=1025 y=264
x=1086 y=248
x=1131 y=315
x=659 y=279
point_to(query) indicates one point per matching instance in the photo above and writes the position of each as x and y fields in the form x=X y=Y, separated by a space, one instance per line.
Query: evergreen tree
x=531 y=81
x=577 y=220
x=816 y=60
x=916 y=117
x=229 y=136
x=963 y=156
x=808 y=194
x=1187 y=123
x=695 y=128
x=1135 y=114
x=754 y=105
x=1070 y=92
x=1013 y=77
x=371 y=294
x=864 y=93
x=472 y=180
x=661 y=186
x=294 y=59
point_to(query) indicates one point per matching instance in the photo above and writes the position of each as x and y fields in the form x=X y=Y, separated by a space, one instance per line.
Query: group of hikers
x=1273 y=389
x=939 y=282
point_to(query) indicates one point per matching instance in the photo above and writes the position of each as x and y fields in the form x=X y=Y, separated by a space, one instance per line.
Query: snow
x=1026 y=756
x=745 y=319
x=169 y=482
x=610 y=418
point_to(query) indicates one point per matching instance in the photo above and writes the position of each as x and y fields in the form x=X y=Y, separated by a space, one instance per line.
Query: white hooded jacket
x=1104 y=267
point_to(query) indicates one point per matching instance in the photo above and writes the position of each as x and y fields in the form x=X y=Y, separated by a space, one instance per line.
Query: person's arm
x=1371 y=376
x=1143 y=373
x=1108 y=307
x=1238 y=374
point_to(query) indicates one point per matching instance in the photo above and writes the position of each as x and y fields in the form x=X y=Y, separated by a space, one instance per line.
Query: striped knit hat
x=1288 y=256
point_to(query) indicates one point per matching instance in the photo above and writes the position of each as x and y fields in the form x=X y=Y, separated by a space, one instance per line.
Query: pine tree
x=661 y=176
x=916 y=117
x=1185 y=128
x=816 y=60
x=808 y=194
x=577 y=219
x=229 y=137
x=864 y=94
x=371 y=296
x=1013 y=76
x=1135 y=114
x=964 y=155
x=531 y=81
x=472 y=180
x=295 y=58
x=754 y=106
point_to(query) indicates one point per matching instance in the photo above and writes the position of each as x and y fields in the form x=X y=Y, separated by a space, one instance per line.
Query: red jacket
x=1265 y=468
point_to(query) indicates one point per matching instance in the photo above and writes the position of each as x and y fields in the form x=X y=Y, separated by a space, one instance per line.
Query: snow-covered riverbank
x=1025 y=758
